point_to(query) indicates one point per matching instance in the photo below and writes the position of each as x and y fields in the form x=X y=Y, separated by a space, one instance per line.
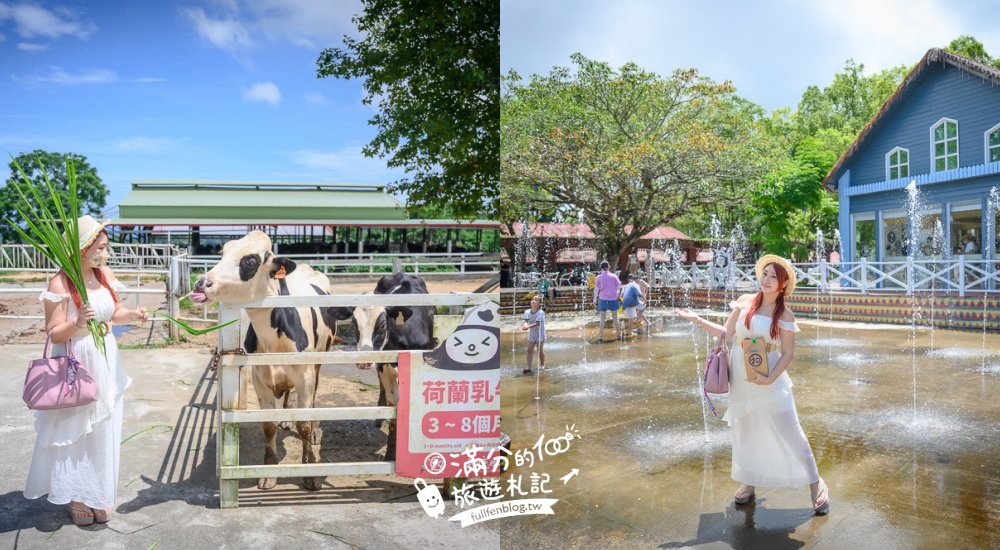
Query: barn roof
x=234 y=203
x=898 y=97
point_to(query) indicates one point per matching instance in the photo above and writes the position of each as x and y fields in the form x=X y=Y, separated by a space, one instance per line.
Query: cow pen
x=234 y=378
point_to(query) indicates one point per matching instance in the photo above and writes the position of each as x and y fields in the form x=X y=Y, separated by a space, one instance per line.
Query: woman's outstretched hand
x=687 y=314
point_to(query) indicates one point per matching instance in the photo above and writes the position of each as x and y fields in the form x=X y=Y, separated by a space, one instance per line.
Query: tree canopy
x=433 y=69
x=91 y=191
x=973 y=49
x=628 y=148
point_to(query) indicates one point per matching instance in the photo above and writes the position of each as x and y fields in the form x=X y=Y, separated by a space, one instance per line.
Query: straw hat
x=775 y=259
x=89 y=229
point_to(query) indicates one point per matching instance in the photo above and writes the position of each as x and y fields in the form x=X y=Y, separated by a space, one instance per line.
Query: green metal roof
x=213 y=203
x=245 y=222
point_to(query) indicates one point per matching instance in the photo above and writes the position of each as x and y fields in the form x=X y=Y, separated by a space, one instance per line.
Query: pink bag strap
x=48 y=346
x=721 y=341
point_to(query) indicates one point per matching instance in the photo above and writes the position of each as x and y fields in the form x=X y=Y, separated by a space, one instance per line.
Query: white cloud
x=771 y=50
x=31 y=20
x=58 y=76
x=145 y=145
x=345 y=165
x=265 y=92
x=306 y=23
x=32 y=48
x=237 y=26
x=315 y=99
x=150 y=79
x=228 y=34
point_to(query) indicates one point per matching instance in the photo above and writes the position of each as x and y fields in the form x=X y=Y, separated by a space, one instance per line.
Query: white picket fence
x=957 y=275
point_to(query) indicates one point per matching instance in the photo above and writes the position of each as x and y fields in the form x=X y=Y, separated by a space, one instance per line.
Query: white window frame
x=889 y=166
x=986 y=143
x=934 y=157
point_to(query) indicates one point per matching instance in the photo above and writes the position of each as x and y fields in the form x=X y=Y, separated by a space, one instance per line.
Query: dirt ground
x=340 y=385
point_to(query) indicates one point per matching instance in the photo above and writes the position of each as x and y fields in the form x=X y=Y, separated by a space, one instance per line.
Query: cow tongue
x=198 y=297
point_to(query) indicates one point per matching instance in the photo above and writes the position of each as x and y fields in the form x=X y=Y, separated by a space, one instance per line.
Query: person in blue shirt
x=631 y=298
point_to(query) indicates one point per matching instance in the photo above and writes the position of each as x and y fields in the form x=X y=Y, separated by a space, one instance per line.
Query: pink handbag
x=717 y=370
x=58 y=382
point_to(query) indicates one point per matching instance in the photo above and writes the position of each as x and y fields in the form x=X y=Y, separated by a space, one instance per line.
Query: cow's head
x=244 y=273
x=371 y=324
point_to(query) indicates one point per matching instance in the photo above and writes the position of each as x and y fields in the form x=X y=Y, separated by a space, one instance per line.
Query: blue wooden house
x=940 y=132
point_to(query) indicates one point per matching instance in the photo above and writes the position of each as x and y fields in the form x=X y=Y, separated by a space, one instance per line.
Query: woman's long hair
x=779 y=304
x=75 y=294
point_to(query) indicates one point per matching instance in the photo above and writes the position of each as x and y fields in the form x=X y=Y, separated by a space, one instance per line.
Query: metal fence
x=957 y=275
x=24 y=257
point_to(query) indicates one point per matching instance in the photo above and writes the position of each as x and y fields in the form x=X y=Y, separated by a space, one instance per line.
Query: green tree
x=792 y=203
x=630 y=149
x=851 y=100
x=433 y=68
x=968 y=46
x=91 y=192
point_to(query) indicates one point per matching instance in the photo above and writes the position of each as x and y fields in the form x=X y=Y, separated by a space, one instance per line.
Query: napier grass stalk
x=55 y=235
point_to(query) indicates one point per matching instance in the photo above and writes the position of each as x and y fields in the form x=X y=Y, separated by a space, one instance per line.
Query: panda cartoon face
x=475 y=344
x=470 y=345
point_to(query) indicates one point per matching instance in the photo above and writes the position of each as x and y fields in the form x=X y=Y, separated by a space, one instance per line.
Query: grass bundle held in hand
x=190 y=330
x=55 y=234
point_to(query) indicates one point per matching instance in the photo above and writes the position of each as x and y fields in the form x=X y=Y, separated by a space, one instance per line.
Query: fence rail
x=138 y=256
x=947 y=275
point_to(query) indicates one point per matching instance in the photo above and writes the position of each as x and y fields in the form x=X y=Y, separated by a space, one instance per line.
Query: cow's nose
x=202 y=283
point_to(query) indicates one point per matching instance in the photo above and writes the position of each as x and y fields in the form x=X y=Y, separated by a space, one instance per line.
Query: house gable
x=946 y=92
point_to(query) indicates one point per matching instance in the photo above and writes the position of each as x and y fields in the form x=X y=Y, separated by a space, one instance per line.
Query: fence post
x=230 y=385
x=397 y=264
x=961 y=276
x=174 y=286
x=864 y=275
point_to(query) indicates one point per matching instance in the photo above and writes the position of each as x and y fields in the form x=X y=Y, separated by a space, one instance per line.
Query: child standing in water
x=534 y=323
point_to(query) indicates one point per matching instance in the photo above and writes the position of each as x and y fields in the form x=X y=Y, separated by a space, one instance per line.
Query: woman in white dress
x=77 y=449
x=769 y=447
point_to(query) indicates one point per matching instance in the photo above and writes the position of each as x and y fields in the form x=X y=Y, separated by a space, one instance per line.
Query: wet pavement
x=904 y=424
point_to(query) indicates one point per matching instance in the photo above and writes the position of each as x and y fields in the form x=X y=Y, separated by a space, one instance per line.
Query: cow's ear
x=341 y=313
x=393 y=312
x=281 y=267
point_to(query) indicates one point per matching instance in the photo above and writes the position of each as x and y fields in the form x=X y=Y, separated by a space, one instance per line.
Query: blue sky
x=184 y=90
x=770 y=50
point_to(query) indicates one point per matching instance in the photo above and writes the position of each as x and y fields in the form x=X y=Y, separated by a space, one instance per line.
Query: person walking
x=769 y=447
x=534 y=323
x=606 y=287
x=77 y=449
x=631 y=300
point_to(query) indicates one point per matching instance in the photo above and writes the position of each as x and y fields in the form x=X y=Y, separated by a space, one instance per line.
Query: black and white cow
x=392 y=328
x=249 y=271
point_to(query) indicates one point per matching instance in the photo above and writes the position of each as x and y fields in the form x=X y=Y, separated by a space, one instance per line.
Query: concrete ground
x=168 y=491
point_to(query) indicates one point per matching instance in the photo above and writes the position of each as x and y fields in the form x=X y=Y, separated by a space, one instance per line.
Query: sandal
x=745 y=494
x=526 y=371
x=822 y=508
x=101 y=516
x=81 y=516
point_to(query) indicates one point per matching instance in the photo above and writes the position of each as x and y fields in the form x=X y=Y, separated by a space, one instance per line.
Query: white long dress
x=77 y=449
x=769 y=447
